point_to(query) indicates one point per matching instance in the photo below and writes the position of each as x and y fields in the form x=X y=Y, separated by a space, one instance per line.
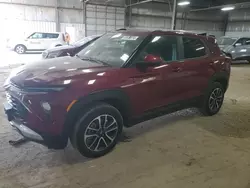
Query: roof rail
x=157 y=30
x=202 y=34
x=205 y=34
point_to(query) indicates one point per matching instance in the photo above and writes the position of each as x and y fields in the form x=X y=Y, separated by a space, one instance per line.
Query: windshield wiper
x=93 y=59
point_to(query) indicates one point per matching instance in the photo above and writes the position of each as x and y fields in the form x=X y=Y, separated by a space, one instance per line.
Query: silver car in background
x=238 y=48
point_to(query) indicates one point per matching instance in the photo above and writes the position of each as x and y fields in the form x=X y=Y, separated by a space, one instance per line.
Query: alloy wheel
x=216 y=99
x=20 y=49
x=101 y=133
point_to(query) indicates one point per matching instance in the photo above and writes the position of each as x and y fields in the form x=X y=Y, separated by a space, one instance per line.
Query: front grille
x=19 y=110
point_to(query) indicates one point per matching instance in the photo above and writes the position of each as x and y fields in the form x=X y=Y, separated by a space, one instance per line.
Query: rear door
x=50 y=40
x=196 y=68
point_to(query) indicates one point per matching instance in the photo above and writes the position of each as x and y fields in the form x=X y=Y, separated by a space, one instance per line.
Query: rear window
x=50 y=35
x=193 y=48
x=226 y=41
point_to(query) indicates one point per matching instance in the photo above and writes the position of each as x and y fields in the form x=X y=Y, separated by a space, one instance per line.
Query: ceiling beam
x=147 y=1
x=236 y=5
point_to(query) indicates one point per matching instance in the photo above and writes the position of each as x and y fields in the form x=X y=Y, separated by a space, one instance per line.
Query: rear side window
x=193 y=48
x=50 y=35
x=247 y=42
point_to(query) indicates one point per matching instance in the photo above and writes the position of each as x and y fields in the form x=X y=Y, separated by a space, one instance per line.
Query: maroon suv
x=121 y=79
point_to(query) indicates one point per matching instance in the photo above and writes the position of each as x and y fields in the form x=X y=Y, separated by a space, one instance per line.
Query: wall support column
x=85 y=18
x=173 y=25
x=128 y=13
x=57 y=17
x=225 y=24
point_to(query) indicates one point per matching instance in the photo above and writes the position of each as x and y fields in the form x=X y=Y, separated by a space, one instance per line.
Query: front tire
x=97 y=131
x=213 y=99
x=20 y=49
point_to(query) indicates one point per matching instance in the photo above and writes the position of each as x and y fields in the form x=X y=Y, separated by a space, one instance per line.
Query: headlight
x=53 y=54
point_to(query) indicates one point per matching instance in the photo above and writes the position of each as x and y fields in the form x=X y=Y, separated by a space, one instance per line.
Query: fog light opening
x=46 y=106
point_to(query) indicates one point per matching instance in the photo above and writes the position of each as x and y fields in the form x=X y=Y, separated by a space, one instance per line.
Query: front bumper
x=26 y=132
x=48 y=140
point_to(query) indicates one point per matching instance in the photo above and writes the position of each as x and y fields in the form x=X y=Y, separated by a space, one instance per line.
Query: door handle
x=177 y=69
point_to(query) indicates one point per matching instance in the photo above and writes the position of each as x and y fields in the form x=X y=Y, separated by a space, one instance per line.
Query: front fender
x=115 y=97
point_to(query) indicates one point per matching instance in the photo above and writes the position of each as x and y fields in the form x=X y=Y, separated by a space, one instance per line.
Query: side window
x=50 y=35
x=246 y=41
x=193 y=48
x=163 y=46
x=240 y=42
x=36 y=36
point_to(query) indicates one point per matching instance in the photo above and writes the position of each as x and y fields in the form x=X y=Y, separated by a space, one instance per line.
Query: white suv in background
x=37 y=41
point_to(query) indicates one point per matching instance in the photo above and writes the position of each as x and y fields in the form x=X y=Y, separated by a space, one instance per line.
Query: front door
x=241 y=49
x=164 y=82
x=142 y=87
x=35 y=41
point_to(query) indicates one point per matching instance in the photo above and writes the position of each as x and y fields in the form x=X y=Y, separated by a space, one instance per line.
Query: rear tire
x=97 y=131
x=20 y=49
x=213 y=100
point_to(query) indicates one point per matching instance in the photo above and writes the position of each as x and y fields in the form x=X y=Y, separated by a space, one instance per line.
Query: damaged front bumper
x=50 y=141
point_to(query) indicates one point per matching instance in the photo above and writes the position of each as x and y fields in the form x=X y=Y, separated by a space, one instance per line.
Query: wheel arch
x=116 y=97
x=20 y=45
x=222 y=78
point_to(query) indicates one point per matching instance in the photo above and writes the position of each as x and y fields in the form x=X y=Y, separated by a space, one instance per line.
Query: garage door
x=101 y=19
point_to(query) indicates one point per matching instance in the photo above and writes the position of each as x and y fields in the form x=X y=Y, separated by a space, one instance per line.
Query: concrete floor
x=11 y=59
x=182 y=149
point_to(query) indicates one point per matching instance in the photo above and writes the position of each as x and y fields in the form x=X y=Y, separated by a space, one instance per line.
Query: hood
x=228 y=48
x=222 y=47
x=53 y=71
x=61 y=48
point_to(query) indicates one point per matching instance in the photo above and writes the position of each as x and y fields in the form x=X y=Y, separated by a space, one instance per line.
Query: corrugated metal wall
x=101 y=19
x=25 y=20
x=239 y=23
x=30 y=17
x=155 y=16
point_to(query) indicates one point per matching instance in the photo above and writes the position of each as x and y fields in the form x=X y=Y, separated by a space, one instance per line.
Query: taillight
x=228 y=62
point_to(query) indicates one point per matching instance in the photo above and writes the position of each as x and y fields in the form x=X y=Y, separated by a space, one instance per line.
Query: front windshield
x=113 y=48
x=226 y=41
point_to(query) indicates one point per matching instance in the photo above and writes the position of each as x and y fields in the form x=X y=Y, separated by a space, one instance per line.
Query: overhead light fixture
x=228 y=8
x=184 y=3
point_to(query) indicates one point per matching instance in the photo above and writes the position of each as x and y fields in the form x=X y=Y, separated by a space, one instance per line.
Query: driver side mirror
x=149 y=61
